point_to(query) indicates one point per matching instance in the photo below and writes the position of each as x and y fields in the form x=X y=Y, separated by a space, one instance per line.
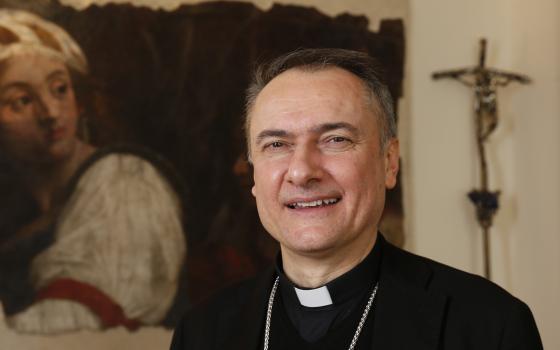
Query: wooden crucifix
x=485 y=83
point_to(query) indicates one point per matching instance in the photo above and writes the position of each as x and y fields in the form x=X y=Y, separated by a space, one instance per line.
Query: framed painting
x=128 y=198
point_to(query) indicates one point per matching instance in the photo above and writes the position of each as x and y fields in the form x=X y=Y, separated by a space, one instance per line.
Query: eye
x=20 y=102
x=337 y=142
x=337 y=139
x=60 y=88
x=273 y=145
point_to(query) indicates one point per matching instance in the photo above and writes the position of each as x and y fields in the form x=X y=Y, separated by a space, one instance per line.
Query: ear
x=254 y=191
x=391 y=163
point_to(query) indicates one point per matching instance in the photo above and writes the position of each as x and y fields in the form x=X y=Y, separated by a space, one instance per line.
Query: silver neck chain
x=356 y=334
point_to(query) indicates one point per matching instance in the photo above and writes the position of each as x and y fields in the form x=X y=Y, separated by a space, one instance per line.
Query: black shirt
x=349 y=294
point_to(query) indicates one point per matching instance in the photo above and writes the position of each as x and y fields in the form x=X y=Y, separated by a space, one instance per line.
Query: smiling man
x=322 y=139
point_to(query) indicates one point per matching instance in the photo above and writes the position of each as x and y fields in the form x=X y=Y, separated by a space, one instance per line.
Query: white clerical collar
x=314 y=297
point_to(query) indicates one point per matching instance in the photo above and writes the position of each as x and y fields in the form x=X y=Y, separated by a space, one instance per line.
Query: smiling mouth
x=313 y=204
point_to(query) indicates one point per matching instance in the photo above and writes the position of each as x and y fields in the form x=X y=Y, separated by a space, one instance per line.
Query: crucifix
x=484 y=82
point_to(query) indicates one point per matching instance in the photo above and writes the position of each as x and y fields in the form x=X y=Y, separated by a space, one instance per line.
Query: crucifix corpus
x=484 y=82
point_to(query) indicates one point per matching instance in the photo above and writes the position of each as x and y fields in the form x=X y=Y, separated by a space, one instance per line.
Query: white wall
x=524 y=154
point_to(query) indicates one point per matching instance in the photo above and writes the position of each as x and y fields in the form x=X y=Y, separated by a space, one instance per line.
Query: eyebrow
x=14 y=84
x=21 y=84
x=334 y=126
x=319 y=129
x=271 y=133
x=56 y=73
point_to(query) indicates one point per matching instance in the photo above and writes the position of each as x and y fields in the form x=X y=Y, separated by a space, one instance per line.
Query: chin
x=308 y=243
x=61 y=151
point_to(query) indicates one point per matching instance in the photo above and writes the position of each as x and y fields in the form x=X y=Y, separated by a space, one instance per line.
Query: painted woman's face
x=38 y=110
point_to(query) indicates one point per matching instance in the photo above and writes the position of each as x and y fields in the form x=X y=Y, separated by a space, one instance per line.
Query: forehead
x=299 y=99
x=29 y=68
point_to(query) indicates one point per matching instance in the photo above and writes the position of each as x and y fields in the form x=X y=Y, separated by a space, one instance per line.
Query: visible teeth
x=313 y=203
x=309 y=204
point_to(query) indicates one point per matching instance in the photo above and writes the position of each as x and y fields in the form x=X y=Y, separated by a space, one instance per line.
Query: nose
x=48 y=108
x=305 y=166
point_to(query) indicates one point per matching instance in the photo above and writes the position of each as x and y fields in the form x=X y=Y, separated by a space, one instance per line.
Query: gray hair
x=360 y=64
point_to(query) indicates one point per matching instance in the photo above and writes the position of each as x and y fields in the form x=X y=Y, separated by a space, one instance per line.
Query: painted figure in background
x=104 y=242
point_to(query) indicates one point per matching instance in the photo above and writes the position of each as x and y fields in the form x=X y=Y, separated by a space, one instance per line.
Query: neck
x=47 y=181
x=312 y=271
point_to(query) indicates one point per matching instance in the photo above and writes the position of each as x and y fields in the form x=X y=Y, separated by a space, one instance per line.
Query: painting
x=124 y=182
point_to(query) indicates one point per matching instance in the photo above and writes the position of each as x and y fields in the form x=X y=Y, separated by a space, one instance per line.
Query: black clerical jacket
x=421 y=305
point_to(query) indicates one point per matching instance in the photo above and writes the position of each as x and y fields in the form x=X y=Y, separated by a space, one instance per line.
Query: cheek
x=358 y=177
x=18 y=133
x=71 y=109
x=70 y=119
x=268 y=176
x=268 y=184
x=23 y=115
x=348 y=172
x=72 y=124
x=20 y=143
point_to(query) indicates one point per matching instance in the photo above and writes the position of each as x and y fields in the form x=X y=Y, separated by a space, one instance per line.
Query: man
x=322 y=138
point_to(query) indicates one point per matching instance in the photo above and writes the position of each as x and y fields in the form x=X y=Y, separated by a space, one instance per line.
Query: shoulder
x=126 y=165
x=121 y=160
x=227 y=301
x=456 y=284
x=224 y=315
x=475 y=308
x=124 y=185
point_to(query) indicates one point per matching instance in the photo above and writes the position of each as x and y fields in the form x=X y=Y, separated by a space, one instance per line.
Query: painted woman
x=89 y=238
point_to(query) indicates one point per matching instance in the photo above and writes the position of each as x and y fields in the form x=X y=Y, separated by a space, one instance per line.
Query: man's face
x=320 y=174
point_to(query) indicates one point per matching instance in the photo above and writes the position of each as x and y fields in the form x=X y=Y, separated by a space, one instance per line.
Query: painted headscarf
x=22 y=32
